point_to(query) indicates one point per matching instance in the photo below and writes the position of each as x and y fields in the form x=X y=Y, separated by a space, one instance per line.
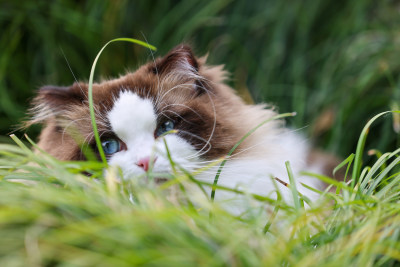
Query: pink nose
x=144 y=163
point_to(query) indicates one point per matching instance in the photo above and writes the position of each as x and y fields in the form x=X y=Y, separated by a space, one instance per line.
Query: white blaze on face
x=134 y=121
x=132 y=115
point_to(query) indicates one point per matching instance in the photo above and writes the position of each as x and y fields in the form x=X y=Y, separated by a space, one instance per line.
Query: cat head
x=176 y=94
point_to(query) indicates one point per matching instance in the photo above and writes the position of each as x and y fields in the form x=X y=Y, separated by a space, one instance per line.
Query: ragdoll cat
x=176 y=92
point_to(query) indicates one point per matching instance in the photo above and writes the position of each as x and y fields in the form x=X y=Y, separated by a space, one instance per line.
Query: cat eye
x=164 y=127
x=111 y=146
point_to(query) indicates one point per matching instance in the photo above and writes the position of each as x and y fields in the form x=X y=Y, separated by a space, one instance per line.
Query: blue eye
x=165 y=127
x=111 y=146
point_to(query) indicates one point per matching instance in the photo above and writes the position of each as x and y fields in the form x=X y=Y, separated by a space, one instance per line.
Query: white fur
x=254 y=172
x=134 y=121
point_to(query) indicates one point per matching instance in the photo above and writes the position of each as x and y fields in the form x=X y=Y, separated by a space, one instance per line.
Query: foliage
x=335 y=64
x=52 y=214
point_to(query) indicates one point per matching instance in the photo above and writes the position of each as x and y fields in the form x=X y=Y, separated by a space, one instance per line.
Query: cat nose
x=145 y=162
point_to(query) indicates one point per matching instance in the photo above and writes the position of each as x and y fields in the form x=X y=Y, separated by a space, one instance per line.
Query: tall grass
x=335 y=65
x=52 y=213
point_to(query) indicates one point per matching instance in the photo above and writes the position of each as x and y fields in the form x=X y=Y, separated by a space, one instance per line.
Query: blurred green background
x=336 y=63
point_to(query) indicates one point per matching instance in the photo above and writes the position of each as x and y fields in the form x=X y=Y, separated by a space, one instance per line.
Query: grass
x=90 y=88
x=335 y=65
x=53 y=214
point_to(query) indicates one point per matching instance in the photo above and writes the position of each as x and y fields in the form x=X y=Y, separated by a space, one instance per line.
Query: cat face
x=141 y=137
x=174 y=103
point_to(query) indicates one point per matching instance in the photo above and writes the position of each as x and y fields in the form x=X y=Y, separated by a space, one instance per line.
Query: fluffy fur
x=209 y=119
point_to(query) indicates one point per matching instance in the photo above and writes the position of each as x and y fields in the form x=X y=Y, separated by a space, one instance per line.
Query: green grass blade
x=292 y=186
x=274 y=213
x=90 y=90
x=360 y=148
x=280 y=116
x=347 y=162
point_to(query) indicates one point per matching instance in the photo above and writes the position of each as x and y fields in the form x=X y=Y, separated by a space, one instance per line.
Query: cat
x=182 y=100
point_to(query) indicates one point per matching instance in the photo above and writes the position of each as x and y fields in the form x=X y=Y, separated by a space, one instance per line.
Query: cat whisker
x=203 y=87
x=193 y=135
x=177 y=114
x=183 y=85
x=69 y=124
x=160 y=86
x=241 y=151
x=165 y=115
x=201 y=152
x=88 y=137
x=214 y=125
x=155 y=67
x=182 y=105
x=69 y=66
x=101 y=117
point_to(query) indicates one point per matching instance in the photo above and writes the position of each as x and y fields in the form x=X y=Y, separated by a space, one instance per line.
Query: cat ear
x=58 y=96
x=180 y=58
x=181 y=63
x=53 y=100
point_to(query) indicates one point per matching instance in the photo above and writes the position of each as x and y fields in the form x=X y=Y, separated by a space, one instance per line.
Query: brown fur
x=65 y=112
x=190 y=91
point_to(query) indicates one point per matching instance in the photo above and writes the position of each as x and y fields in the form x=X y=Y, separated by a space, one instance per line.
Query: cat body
x=180 y=104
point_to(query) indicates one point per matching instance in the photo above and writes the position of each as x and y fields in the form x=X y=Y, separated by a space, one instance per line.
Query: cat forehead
x=147 y=85
x=132 y=114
